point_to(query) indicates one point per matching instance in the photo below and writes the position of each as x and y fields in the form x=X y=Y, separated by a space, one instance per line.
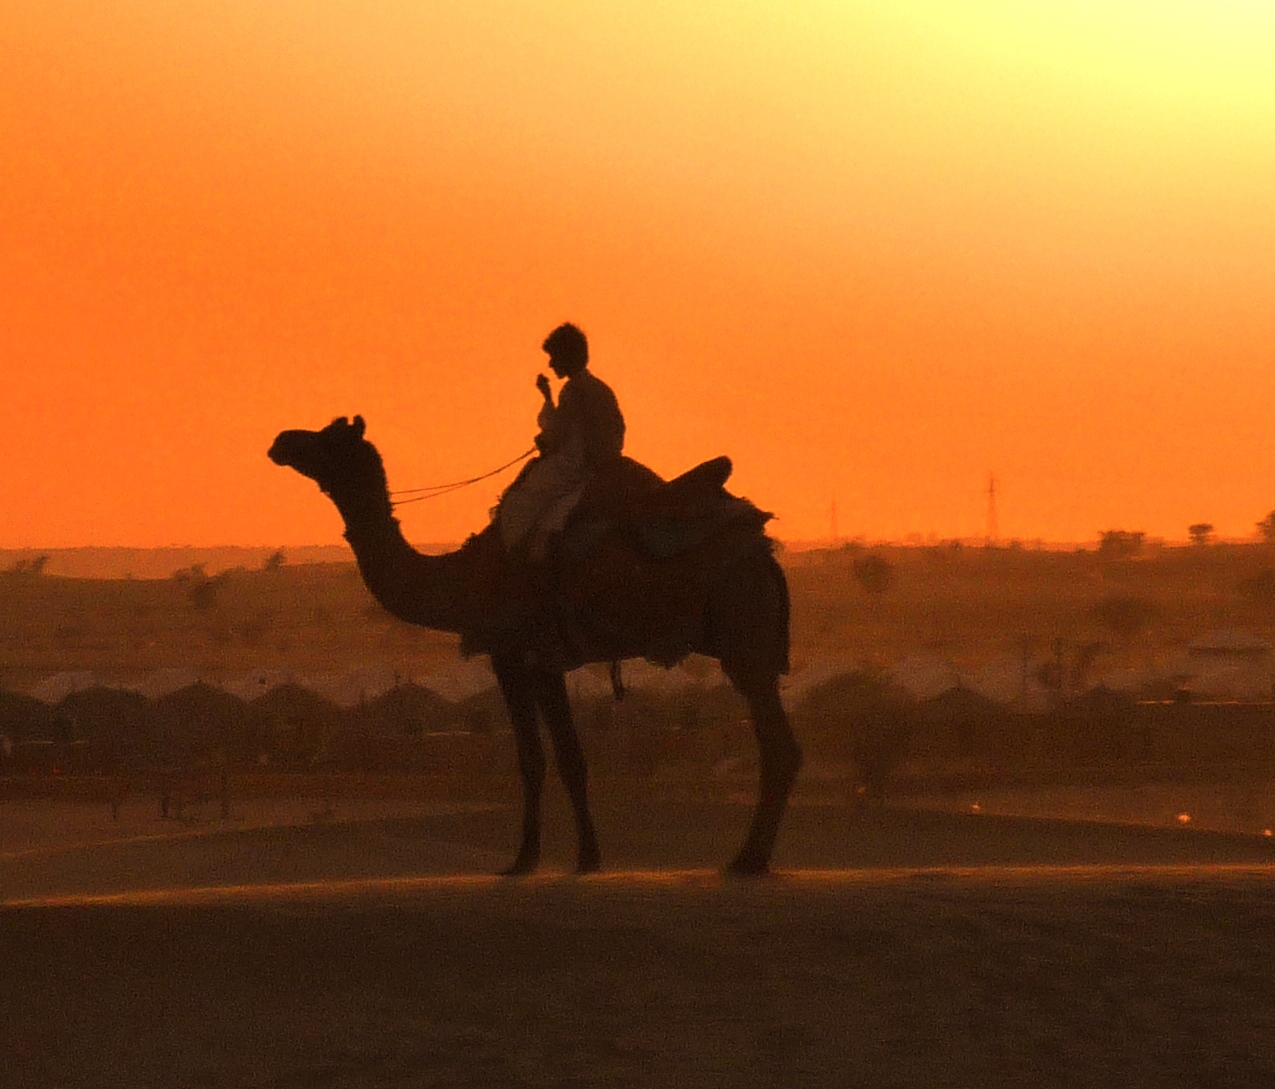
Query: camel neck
x=420 y=589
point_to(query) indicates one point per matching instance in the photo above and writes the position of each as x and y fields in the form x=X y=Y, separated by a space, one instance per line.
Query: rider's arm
x=549 y=421
x=546 y=441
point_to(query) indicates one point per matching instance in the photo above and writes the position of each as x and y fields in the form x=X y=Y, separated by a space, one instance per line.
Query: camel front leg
x=516 y=688
x=779 y=757
x=551 y=694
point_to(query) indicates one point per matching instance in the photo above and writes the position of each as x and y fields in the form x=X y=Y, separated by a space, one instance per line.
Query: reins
x=435 y=490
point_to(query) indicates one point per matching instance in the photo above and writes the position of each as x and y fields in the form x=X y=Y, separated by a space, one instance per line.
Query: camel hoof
x=748 y=867
x=588 y=865
x=521 y=867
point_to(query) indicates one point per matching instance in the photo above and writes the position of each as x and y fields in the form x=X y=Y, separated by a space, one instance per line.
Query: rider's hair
x=569 y=344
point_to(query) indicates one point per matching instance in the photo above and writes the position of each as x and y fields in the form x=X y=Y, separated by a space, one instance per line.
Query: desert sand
x=894 y=947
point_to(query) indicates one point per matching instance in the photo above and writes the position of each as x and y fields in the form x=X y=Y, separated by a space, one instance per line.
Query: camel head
x=338 y=458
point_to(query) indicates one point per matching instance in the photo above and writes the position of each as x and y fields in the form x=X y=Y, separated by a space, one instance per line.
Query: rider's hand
x=542 y=384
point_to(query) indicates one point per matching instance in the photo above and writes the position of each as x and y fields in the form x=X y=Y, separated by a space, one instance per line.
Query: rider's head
x=568 y=350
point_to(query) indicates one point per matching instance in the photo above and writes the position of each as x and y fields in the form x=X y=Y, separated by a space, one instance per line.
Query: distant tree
x=1120 y=544
x=1266 y=527
x=201 y=588
x=275 y=560
x=874 y=573
x=1124 y=614
x=1201 y=532
x=33 y=566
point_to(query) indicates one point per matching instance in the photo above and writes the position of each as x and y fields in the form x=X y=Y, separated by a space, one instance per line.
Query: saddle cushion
x=661 y=518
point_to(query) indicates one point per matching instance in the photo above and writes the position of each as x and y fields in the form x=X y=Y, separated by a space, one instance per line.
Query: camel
x=722 y=595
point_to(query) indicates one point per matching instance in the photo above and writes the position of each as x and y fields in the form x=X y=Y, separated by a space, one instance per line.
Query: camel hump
x=708 y=475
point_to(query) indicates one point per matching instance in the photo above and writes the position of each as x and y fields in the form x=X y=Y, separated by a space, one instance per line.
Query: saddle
x=661 y=517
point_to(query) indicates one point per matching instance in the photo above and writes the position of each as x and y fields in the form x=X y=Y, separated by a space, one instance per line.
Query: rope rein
x=435 y=490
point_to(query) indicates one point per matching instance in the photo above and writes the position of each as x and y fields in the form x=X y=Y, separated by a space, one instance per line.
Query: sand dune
x=900 y=948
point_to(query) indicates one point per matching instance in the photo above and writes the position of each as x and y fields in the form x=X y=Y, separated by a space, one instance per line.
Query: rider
x=580 y=435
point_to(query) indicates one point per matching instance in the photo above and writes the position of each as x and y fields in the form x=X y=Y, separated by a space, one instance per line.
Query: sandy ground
x=899 y=948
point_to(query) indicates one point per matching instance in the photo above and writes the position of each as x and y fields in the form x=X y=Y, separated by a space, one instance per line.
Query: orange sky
x=873 y=252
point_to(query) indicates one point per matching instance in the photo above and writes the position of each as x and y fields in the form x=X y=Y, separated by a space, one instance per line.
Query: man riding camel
x=579 y=436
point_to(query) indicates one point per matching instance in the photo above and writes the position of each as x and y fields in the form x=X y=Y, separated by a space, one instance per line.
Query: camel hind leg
x=779 y=759
x=748 y=633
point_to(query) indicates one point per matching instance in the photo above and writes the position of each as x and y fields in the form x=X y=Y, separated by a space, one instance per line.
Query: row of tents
x=1222 y=665
x=374 y=718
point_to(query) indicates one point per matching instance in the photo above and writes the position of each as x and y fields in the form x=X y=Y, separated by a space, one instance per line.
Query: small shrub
x=1120 y=544
x=874 y=573
x=1201 y=533
x=33 y=566
x=1124 y=614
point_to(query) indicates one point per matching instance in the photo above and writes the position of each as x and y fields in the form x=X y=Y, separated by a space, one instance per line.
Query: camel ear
x=359 y=427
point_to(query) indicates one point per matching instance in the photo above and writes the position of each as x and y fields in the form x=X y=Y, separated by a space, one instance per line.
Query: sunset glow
x=873 y=252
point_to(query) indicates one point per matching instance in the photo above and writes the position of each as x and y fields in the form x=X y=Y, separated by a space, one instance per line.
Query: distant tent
x=296 y=724
x=251 y=686
x=360 y=685
x=1010 y=680
x=850 y=695
x=405 y=709
x=482 y=713
x=114 y=722
x=462 y=680
x=925 y=676
x=796 y=686
x=24 y=718
x=199 y=722
x=163 y=681
x=53 y=689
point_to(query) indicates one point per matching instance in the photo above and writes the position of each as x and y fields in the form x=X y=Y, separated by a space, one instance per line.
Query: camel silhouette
x=698 y=585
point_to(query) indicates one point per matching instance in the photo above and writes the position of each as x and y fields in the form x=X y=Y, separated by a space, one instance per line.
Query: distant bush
x=33 y=566
x=1124 y=614
x=860 y=717
x=874 y=573
x=1266 y=528
x=201 y=588
x=1201 y=533
x=1120 y=544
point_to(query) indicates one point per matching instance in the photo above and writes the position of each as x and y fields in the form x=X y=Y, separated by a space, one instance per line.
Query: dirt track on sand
x=965 y=963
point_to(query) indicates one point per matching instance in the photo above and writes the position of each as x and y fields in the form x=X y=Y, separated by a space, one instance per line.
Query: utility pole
x=993 y=529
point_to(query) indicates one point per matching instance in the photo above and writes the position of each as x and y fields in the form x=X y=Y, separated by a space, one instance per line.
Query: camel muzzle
x=284 y=449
